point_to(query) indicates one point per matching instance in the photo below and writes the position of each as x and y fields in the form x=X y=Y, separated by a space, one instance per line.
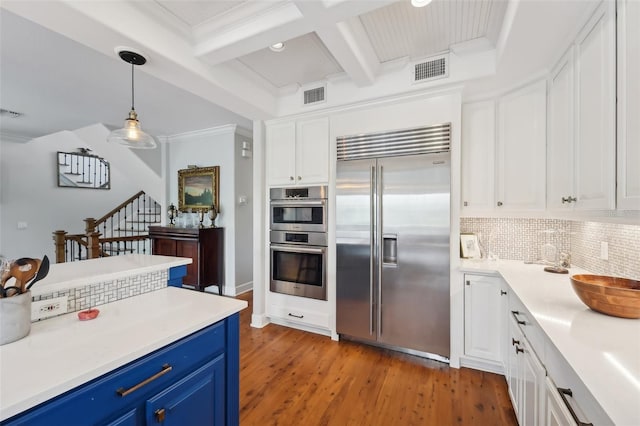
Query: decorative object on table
x=213 y=214
x=90 y=313
x=198 y=187
x=618 y=297
x=172 y=212
x=469 y=247
x=83 y=170
x=201 y=215
x=131 y=135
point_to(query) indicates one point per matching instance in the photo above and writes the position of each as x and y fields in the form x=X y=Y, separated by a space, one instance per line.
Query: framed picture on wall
x=469 y=247
x=198 y=188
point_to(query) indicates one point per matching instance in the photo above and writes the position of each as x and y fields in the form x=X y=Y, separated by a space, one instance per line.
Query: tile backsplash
x=522 y=239
x=97 y=294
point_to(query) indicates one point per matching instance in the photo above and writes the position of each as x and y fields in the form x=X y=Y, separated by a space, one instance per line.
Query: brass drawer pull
x=165 y=369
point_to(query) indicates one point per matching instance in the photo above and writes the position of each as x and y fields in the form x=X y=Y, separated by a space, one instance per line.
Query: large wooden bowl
x=618 y=297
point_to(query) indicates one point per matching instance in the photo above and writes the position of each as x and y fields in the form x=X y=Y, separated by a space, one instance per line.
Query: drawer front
x=110 y=396
x=527 y=325
x=583 y=403
x=300 y=316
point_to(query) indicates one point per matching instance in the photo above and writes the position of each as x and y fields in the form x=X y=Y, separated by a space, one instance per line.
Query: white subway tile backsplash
x=521 y=239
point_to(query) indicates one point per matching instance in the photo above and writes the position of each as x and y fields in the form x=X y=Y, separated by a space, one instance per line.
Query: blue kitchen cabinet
x=176 y=275
x=193 y=381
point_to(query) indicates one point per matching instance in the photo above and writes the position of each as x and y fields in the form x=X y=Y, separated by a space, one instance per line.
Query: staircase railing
x=122 y=230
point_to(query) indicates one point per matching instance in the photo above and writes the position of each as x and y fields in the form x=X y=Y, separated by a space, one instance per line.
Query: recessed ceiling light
x=420 y=3
x=277 y=47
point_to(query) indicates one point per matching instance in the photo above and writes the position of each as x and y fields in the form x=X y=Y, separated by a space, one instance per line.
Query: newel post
x=58 y=238
x=93 y=246
x=89 y=226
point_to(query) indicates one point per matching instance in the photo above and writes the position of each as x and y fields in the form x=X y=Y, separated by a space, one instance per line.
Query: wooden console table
x=205 y=246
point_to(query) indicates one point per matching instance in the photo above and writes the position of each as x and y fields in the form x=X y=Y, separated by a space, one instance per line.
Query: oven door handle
x=298 y=249
x=295 y=202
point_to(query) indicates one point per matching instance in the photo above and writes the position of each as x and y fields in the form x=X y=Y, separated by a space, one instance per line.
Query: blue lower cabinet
x=176 y=274
x=193 y=381
x=198 y=399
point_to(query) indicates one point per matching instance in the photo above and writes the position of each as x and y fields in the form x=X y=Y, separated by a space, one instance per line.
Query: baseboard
x=243 y=288
x=299 y=326
x=259 y=321
x=478 y=364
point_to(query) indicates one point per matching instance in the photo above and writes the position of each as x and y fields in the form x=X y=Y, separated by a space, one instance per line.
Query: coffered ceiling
x=218 y=50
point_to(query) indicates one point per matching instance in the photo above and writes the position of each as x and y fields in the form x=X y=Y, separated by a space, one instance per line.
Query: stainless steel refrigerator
x=392 y=235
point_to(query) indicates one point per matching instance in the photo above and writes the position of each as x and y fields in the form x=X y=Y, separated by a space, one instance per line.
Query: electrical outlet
x=48 y=308
x=604 y=250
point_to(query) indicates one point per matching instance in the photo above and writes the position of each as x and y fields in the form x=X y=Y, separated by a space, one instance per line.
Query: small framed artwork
x=469 y=248
x=198 y=188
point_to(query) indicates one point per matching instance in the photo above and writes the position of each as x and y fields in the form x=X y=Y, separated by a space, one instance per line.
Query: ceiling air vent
x=432 y=69
x=314 y=96
x=10 y=114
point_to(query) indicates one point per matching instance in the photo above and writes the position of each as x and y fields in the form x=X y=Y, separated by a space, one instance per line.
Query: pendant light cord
x=132 y=91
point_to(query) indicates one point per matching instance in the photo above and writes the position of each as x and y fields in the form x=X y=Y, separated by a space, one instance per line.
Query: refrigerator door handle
x=372 y=218
x=390 y=250
x=380 y=244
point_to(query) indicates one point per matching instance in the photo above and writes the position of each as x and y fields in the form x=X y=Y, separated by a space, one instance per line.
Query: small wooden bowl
x=618 y=297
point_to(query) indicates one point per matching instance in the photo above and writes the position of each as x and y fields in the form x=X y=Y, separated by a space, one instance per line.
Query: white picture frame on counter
x=469 y=247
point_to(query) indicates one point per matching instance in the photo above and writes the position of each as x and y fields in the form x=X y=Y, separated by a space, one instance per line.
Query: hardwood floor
x=291 y=377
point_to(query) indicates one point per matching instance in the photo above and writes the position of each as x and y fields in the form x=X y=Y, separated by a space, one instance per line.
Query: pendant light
x=131 y=134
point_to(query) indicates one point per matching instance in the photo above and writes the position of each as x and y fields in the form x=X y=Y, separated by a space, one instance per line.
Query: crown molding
x=227 y=129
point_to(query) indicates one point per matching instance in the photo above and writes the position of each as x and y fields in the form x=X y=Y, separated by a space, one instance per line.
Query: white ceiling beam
x=345 y=37
x=105 y=25
x=247 y=33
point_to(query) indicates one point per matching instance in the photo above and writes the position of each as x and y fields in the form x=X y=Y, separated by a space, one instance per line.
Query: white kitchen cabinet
x=299 y=312
x=526 y=379
x=628 y=46
x=595 y=132
x=484 y=317
x=298 y=152
x=557 y=412
x=478 y=156
x=560 y=147
x=521 y=148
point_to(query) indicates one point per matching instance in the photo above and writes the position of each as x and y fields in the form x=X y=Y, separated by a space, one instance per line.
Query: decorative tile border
x=97 y=294
x=522 y=239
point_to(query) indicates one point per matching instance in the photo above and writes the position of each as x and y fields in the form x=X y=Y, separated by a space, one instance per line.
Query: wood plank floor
x=291 y=377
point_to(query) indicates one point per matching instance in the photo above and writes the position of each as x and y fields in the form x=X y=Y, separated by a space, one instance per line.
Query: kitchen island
x=68 y=371
x=603 y=351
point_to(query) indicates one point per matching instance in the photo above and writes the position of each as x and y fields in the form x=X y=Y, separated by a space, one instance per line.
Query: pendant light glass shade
x=131 y=135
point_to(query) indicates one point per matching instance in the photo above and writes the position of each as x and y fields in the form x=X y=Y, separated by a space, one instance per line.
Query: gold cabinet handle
x=165 y=369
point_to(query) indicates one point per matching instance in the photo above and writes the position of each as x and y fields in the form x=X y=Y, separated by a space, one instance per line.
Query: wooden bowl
x=618 y=297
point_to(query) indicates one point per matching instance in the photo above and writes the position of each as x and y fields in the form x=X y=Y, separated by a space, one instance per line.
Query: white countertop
x=604 y=351
x=64 y=352
x=63 y=276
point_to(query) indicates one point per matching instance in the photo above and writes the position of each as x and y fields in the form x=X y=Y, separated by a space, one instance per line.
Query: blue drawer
x=111 y=396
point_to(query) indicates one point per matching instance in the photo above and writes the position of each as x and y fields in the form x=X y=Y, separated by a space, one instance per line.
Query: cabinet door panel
x=521 y=149
x=478 y=156
x=312 y=151
x=628 y=105
x=189 y=249
x=532 y=401
x=198 y=399
x=556 y=412
x=560 y=146
x=596 y=106
x=164 y=247
x=483 y=317
x=281 y=153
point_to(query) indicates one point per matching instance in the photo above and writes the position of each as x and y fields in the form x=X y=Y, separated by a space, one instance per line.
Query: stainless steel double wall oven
x=299 y=241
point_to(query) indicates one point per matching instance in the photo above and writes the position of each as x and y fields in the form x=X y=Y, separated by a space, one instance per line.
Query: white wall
x=217 y=147
x=244 y=214
x=29 y=193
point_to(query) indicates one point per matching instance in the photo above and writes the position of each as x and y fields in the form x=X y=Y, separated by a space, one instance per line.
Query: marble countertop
x=604 y=351
x=63 y=352
x=63 y=276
